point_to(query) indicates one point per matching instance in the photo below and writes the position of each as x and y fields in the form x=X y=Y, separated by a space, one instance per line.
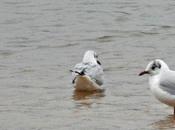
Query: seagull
x=88 y=75
x=161 y=81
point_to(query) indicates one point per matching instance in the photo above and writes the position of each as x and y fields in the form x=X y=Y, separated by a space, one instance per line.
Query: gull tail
x=80 y=73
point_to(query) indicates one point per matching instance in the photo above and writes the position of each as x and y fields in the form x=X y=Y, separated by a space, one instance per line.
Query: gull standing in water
x=162 y=81
x=88 y=75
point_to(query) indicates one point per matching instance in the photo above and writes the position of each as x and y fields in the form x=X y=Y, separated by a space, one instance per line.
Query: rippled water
x=40 y=40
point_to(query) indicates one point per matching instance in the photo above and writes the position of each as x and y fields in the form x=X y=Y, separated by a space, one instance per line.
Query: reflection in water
x=167 y=123
x=87 y=98
x=80 y=95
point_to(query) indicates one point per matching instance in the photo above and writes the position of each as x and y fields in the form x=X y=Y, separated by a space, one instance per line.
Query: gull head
x=155 y=67
x=91 y=56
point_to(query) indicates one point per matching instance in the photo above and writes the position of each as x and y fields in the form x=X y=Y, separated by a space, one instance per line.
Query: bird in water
x=88 y=75
x=161 y=81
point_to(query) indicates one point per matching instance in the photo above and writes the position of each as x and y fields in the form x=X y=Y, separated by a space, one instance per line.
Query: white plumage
x=162 y=81
x=88 y=75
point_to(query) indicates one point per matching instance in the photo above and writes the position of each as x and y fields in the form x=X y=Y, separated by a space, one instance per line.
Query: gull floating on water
x=162 y=81
x=88 y=75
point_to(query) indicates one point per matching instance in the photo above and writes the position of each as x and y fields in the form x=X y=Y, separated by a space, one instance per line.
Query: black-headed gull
x=88 y=75
x=162 y=81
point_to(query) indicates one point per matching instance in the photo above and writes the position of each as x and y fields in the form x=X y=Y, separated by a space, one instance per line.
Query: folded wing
x=94 y=71
x=167 y=82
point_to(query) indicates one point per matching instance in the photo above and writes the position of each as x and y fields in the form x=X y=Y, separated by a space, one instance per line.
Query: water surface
x=41 y=40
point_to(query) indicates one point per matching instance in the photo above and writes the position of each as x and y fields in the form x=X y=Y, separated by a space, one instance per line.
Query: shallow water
x=41 y=40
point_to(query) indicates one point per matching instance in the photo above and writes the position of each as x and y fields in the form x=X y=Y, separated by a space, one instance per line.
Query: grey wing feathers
x=80 y=67
x=94 y=71
x=167 y=83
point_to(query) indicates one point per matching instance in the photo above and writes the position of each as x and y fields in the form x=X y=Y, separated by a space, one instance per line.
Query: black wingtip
x=80 y=73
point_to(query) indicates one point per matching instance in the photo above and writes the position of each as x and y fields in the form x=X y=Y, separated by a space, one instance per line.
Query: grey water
x=41 y=40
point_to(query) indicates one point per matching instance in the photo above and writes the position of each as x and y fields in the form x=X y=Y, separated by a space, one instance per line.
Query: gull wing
x=167 y=82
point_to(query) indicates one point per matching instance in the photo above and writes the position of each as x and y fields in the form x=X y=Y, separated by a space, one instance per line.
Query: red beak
x=143 y=72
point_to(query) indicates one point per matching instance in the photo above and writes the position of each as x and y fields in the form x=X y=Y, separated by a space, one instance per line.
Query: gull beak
x=143 y=72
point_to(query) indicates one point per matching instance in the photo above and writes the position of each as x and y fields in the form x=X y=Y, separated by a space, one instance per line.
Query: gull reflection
x=164 y=124
x=86 y=99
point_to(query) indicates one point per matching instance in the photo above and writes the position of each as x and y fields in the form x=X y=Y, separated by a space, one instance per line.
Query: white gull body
x=161 y=81
x=163 y=86
x=88 y=75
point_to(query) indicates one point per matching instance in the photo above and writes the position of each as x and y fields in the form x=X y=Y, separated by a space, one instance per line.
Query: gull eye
x=153 y=66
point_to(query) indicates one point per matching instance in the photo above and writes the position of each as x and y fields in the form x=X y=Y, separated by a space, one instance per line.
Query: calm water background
x=40 y=40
